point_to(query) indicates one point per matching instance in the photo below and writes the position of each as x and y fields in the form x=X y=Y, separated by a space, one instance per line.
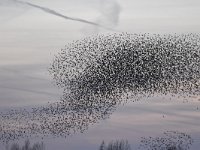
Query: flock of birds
x=171 y=140
x=106 y=66
x=99 y=73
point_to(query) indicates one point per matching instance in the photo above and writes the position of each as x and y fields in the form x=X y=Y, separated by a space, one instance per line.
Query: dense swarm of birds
x=111 y=65
x=99 y=73
x=171 y=140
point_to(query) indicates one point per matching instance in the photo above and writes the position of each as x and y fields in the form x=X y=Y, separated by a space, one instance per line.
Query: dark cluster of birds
x=99 y=73
x=171 y=140
x=111 y=65
x=59 y=119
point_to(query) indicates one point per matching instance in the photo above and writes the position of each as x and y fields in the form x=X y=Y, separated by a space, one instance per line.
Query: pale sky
x=29 y=39
x=135 y=15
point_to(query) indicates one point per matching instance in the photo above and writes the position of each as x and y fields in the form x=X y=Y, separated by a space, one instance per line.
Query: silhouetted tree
x=102 y=146
x=116 y=145
x=15 y=147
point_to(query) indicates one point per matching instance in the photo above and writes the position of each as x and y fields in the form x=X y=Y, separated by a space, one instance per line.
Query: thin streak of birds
x=53 y=12
x=99 y=73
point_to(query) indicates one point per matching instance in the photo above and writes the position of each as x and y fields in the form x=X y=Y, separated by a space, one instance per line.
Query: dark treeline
x=26 y=146
x=170 y=140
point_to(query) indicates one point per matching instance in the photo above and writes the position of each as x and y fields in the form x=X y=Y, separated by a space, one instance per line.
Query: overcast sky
x=30 y=37
x=134 y=15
